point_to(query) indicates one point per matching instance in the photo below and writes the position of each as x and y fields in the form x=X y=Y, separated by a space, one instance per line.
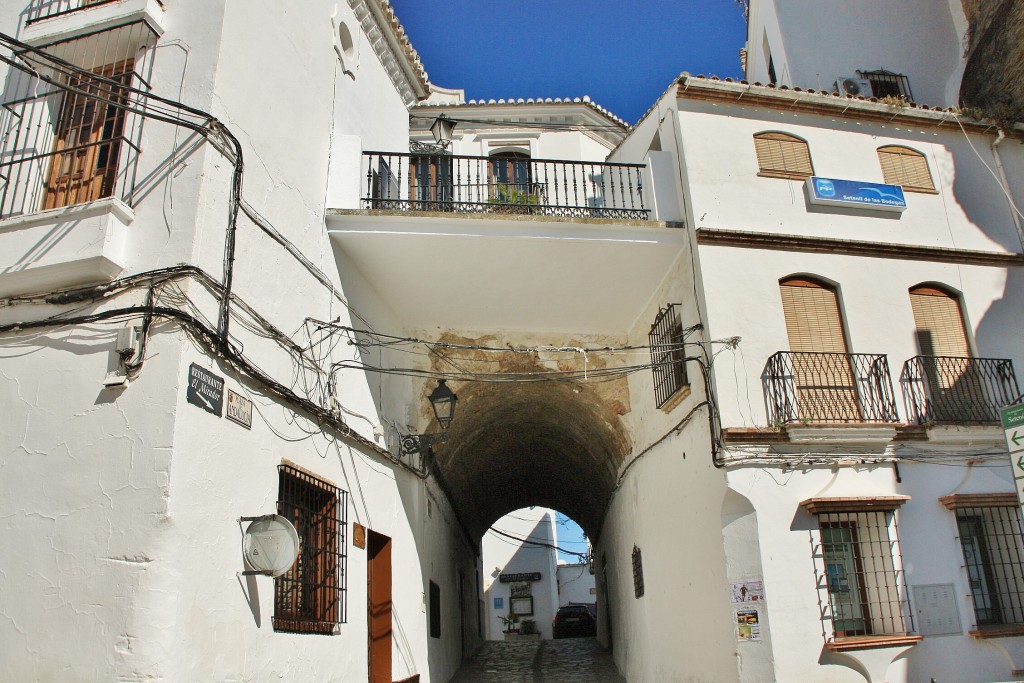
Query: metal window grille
x=668 y=355
x=859 y=568
x=310 y=597
x=888 y=84
x=993 y=546
x=70 y=120
x=638 y=573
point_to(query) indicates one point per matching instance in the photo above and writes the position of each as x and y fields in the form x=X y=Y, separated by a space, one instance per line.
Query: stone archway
x=552 y=443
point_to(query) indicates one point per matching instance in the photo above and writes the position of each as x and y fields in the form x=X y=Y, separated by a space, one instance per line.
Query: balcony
x=496 y=185
x=44 y=9
x=71 y=134
x=806 y=387
x=947 y=389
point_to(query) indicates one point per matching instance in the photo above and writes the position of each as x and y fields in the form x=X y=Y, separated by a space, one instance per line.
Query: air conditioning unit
x=855 y=87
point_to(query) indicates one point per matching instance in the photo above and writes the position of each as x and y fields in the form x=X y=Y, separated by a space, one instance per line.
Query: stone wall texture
x=994 y=78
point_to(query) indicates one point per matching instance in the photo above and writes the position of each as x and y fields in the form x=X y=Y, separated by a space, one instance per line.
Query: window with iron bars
x=888 y=84
x=668 y=355
x=69 y=131
x=310 y=597
x=638 y=573
x=859 y=568
x=992 y=540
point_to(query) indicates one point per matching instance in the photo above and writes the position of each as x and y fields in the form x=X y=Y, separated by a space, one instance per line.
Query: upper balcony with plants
x=440 y=182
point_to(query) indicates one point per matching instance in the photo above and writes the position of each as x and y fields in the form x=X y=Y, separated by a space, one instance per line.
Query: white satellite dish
x=270 y=545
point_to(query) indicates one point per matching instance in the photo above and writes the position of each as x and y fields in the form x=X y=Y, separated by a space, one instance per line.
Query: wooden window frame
x=892 y=160
x=792 y=169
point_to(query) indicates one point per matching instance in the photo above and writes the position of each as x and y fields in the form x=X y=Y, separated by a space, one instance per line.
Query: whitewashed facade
x=286 y=154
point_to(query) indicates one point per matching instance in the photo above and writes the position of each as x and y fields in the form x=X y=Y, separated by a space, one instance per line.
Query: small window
x=989 y=527
x=310 y=597
x=668 y=355
x=860 y=567
x=435 y=610
x=906 y=167
x=638 y=573
x=780 y=155
x=888 y=84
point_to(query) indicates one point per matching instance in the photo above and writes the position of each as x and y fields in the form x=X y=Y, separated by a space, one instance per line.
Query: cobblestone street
x=572 y=660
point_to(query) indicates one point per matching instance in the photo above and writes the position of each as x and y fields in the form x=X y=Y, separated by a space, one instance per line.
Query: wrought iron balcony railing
x=802 y=386
x=956 y=389
x=44 y=9
x=470 y=184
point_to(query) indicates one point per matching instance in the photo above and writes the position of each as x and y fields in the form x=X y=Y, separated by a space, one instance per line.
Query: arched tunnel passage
x=556 y=444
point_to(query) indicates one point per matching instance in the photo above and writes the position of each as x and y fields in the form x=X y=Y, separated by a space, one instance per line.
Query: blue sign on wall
x=854 y=193
x=499 y=603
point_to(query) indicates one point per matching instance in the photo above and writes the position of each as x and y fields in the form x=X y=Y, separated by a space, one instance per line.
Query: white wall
x=576 y=584
x=813 y=43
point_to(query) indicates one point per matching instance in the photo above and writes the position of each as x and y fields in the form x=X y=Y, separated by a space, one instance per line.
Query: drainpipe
x=1014 y=214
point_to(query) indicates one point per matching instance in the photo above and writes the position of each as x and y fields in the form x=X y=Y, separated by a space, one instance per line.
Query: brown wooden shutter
x=940 y=325
x=812 y=317
x=906 y=167
x=779 y=154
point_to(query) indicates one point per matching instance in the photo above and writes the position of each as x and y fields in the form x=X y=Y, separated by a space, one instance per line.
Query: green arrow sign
x=1016 y=438
x=1020 y=462
x=1012 y=416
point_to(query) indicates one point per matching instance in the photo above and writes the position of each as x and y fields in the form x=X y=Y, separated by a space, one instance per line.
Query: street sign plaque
x=1012 y=418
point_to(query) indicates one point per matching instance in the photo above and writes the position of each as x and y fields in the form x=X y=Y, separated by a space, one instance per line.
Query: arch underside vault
x=555 y=444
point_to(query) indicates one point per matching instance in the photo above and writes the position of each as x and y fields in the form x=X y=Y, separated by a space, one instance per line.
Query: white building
x=520 y=561
x=576 y=584
x=773 y=416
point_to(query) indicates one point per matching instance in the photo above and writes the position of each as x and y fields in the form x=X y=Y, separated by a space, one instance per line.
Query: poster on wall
x=748 y=624
x=751 y=590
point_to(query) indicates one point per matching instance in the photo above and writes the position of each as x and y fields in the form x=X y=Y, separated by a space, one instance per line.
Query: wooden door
x=87 y=140
x=379 y=606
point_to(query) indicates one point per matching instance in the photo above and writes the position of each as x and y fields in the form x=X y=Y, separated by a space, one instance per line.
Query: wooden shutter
x=812 y=317
x=940 y=325
x=906 y=167
x=825 y=387
x=782 y=155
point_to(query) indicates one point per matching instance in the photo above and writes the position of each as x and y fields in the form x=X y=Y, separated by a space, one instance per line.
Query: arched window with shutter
x=825 y=387
x=939 y=322
x=906 y=167
x=781 y=155
x=951 y=387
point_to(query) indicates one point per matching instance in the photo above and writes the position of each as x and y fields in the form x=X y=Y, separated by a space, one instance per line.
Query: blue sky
x=624 y=58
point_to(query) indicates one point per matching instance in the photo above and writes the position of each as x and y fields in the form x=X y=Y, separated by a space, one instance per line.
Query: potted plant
x=511 y=626
x=528 y=630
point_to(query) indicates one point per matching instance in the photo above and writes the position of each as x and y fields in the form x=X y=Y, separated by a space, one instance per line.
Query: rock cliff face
x=994 y=77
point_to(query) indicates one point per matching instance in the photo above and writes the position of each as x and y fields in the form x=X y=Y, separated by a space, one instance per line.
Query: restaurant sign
x=524 y=576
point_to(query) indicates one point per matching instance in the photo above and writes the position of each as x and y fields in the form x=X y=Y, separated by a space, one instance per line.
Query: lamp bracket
x=418 y=443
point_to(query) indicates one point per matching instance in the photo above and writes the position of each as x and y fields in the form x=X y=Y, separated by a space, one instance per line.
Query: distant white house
x=521 y=578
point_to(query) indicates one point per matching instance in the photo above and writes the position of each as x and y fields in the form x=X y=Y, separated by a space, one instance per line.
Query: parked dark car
x=574 y=621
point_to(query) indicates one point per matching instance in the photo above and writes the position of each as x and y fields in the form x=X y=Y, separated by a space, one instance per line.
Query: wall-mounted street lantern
x=442 y=130
x=442 y=401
